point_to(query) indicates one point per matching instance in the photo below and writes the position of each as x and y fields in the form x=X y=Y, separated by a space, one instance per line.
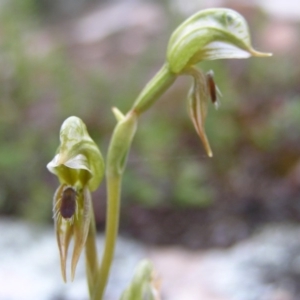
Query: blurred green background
x=63 y=58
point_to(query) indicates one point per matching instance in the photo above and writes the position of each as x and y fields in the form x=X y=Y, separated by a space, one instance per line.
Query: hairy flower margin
x=79 y=166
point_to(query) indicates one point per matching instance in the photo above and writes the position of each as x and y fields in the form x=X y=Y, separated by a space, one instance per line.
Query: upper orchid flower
x=79 y=167
x=209 y=34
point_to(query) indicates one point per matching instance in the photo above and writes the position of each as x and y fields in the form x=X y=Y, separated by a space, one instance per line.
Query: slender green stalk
x=163 y=79
x=116 y=160
x=111 y=232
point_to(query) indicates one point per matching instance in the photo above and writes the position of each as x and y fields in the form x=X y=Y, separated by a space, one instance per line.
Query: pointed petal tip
x=75 y=259
x=63 y=271
x=64 y=278
x=206 y=146
x=260 y=54
x=73 y=270
x=73 y=276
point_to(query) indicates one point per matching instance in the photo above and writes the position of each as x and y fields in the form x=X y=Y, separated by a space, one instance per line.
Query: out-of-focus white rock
x=30 y=267
x=264 y=267
x=289 y=10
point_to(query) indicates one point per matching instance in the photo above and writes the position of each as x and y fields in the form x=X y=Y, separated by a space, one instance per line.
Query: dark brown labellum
x=211 y=86
x=68 y=203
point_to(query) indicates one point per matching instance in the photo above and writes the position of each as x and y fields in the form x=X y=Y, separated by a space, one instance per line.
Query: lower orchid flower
x=79 y=167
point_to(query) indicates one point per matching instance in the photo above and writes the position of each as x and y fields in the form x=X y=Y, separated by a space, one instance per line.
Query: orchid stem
x=163 y=79
x=111 y=232
x=116 y=161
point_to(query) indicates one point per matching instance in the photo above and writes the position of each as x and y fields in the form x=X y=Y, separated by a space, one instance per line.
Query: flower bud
x=144 y=285
x=120 y=142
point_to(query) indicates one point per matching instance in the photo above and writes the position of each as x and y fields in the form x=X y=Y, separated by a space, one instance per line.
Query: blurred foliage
x=254 y=134
x=36 y=93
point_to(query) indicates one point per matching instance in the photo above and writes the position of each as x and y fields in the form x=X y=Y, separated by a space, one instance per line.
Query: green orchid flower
x=79 y=166
x=209 y=34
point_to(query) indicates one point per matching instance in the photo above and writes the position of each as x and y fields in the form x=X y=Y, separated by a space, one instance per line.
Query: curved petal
x=210 y=34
